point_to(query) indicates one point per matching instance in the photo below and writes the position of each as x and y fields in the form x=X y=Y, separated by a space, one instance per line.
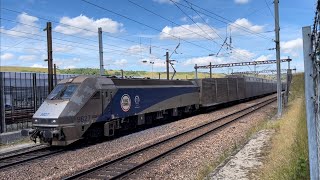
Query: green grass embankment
x=288 y=156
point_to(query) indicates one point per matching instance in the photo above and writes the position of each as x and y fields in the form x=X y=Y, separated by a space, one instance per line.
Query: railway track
x=20 y=150
x=130 y=163
x=18 y=157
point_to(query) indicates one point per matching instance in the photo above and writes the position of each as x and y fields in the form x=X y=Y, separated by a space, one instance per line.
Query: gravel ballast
x=185 y=164
x=192 y=161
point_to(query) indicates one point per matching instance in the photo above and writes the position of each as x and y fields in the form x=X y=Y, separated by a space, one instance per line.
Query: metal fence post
x=196 y=71
x=34 y=91
x=310 y=103
x=2 y=101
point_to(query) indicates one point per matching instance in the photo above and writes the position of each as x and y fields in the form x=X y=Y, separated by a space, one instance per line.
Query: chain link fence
x=21 y=95
x=311 y=50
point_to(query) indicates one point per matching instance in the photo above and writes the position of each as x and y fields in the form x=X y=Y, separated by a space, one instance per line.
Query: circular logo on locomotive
x=125 y=103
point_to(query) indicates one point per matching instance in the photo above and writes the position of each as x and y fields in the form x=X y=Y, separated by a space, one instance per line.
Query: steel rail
x=121 y=168
x=19 y=158
x=15 y=151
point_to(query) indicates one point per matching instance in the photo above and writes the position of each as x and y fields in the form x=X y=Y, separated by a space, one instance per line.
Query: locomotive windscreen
x=63 y=91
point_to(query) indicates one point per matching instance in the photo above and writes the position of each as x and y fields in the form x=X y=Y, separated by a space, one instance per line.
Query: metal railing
x=311 y=50
x=21 y=95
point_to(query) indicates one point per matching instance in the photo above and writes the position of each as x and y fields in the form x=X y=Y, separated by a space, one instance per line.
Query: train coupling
x=44 y=135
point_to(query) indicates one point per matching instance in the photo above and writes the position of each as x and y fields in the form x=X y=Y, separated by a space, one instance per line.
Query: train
x=97 y=106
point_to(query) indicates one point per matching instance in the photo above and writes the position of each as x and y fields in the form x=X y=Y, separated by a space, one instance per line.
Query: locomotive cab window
x=69 y=90
x=57 y=90
x=63 y=91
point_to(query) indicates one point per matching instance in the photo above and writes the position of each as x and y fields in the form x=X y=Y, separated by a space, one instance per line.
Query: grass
x=22 y=69
x=179 y=75
x=288 y=156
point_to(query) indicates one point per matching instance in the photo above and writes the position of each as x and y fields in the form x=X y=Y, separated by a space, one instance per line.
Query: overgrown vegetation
x=288 y=156
x=91 y=71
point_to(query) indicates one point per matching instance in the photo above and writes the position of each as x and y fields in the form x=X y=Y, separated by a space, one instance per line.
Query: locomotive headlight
x=36 y=120
x=54 y=121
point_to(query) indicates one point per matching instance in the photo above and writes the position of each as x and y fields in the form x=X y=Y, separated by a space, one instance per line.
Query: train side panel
x=137 y=99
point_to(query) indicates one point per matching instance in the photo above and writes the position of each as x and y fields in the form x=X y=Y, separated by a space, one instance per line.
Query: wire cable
x=224 y=20
x=108 y=34
x=143 y=24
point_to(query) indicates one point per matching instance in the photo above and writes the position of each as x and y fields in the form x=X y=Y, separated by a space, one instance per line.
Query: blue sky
x=197 y=27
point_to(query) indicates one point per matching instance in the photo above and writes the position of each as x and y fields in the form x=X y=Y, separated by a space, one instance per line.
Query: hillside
x=90 y=71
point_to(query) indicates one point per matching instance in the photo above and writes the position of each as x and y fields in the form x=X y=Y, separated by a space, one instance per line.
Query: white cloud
x=264 y=57
x=26 y=23
x=6 y=56
x=188 y=32
x=83 y=22
x=241 y=1
x=195 y=18
x=62 y=49
x=38 y=66
x=292 y=47
x=120 y=62
x=238 y=55
x=157 y=63
x=205 y=60
x=28 y=57
x=244 y=23
x=184 y=19
x=165 y=1
x=136 y=49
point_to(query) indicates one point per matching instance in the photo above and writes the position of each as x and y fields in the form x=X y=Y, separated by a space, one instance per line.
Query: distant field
x=22 y=69
x=89 y=71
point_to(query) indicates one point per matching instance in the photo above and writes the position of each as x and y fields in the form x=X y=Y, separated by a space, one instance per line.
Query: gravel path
x=246 y=161
x=71 y=161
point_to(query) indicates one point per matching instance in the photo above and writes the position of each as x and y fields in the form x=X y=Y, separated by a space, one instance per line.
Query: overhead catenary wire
x=224 y=20
x=114 y=51
x=86 y=29
x=59 y=33
x=67 y=40
x=209 y=26
x=108 y=34
x=70 y=26
x=269 y=8
x=204 y=20
x=143 y=24
x=192 y=31
x=29 y=25
x=177 y=24
x=193 y=21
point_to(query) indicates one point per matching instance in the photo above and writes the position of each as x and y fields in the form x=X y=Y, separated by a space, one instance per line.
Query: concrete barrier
x=10 y=137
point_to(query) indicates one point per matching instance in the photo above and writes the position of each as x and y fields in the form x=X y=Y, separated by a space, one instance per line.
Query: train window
x=96 y=95
x=56 y=91
x=63 y=91
x=68 y=92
